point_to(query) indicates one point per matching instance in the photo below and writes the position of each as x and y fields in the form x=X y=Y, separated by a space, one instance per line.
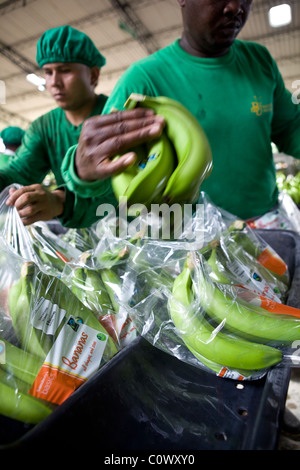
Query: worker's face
x=71 y=85
x=211 y=26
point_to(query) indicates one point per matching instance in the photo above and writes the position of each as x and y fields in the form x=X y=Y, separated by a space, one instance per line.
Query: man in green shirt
x=234 y=89
x=71 y=64
x=12 y=138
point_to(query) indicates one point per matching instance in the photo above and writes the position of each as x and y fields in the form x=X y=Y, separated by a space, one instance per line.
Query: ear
x=95 y=72
x=181 y=3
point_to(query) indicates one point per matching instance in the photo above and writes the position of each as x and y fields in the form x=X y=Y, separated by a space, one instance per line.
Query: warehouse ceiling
x=124 y=31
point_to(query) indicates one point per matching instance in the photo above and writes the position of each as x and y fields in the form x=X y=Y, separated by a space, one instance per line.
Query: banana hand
x=215 y=346
x=191 y=146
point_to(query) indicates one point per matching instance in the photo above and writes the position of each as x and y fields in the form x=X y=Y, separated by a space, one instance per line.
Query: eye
x=65 y=70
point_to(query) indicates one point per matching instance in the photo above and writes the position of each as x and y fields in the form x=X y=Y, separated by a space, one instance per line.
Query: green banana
x=90 y=289
x=22 y=364
x=192 y=149
x=244 y=319
x=113 y=286
x=47 y=259
x=219 y=368
x=145 y=181
x=21 y=406
x=216 y=346
x=20 y=307
x=218 y=271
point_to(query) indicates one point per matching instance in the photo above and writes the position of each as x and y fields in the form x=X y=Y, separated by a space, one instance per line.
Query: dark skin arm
x=106 y=136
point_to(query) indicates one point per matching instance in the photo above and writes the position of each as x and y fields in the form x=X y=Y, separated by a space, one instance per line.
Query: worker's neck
x=78 y=115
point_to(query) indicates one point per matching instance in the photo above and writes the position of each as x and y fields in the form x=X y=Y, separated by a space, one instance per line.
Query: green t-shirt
x=240 y=101
x=5 y=158
x=44 y=146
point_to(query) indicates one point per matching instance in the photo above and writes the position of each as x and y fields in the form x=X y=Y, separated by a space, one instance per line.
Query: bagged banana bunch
x=171 y=168
x=179 y=308
x=52 y=343
x=99 y=280
x=226 y=333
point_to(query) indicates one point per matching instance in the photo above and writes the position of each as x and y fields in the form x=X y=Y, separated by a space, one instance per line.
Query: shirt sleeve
x=83 y=199
x=30 y=164
x=84 y=189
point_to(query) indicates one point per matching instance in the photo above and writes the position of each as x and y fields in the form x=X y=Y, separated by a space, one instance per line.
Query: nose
x=237 y=7
x=54 y=79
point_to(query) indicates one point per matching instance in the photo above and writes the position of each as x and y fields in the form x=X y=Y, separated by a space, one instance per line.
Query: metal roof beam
x=20 y=61
x=135 y=27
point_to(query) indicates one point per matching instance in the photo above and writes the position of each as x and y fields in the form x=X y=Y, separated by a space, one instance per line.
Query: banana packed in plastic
x=169 y=169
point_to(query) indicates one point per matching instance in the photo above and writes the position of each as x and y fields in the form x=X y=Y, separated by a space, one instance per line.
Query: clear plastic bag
x=38 y=243
x=249 y=280
x=285 y=217
x=51 y=343
x=206 y=323
x=99 y=280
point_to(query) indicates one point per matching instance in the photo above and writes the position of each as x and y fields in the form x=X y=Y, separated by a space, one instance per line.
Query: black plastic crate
x=146 y=399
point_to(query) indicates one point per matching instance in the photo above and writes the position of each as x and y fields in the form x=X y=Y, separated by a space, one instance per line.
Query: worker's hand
x=35 y=203
x=103 y=137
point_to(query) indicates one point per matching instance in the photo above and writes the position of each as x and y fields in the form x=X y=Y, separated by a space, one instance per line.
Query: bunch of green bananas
x=224 y=331
x=23 y=363
x=17 y=375
x=171 y=168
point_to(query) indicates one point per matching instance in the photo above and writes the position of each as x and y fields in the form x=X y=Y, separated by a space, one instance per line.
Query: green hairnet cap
x=12 y=135
x=66 y=44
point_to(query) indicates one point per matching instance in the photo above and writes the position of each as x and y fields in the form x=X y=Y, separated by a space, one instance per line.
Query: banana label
x=251 y=280
x=74 y=357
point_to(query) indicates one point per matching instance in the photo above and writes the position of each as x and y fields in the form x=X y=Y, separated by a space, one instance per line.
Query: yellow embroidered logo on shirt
x=258 y=108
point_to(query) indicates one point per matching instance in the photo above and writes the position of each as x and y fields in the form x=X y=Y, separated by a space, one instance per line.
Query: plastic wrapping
x=124 y=277
x=39 y=243
x=206 y=323
x=51 y=343
x=239 y=269
x=99 y=279
x=285 y=216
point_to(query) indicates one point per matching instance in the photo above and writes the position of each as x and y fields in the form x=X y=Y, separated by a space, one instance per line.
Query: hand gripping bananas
x=144 y=182
x=183 y=160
